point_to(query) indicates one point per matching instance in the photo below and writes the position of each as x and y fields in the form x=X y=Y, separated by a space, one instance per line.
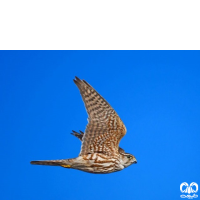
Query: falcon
x=100 y=152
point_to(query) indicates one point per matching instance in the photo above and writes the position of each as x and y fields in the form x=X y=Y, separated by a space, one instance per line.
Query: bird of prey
x=100 y=152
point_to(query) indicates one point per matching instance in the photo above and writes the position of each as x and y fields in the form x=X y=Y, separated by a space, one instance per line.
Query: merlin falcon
x=100 y=152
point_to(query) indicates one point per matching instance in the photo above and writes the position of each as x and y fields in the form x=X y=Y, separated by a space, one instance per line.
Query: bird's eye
x=129 y=156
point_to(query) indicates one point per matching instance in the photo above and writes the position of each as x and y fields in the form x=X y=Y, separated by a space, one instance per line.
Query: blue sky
x=156 y=94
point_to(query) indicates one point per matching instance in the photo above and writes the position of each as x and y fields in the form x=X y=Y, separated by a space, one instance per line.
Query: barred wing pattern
x=105 y=129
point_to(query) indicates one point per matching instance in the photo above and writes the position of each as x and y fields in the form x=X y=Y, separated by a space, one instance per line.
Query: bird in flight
x=100 y=152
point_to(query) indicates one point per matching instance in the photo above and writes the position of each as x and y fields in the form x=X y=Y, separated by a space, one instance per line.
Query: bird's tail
x=63 y=163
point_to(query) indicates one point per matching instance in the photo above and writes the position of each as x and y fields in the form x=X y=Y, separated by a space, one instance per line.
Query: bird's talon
x=66 y=166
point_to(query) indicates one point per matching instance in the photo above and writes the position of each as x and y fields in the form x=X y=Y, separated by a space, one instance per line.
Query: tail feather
x=50 y=162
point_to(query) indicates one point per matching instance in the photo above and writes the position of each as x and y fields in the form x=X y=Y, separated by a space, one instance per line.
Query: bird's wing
x=78 y=135
x=121 y=151
x=105 y=129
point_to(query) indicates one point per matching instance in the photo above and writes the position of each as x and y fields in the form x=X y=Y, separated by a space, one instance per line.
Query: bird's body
x=97 y=163
x=100 y=151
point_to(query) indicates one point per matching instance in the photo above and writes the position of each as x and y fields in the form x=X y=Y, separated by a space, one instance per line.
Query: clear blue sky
x=156 y=94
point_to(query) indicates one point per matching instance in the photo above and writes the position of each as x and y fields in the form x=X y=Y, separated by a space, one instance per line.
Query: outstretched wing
x=80 y=137
x=105 y=129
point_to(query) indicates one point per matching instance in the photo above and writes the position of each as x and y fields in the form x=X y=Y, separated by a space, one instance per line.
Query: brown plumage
x=100 y=151
x=80 y=137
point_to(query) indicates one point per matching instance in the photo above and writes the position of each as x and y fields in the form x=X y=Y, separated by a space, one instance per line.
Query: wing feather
x=105 y=129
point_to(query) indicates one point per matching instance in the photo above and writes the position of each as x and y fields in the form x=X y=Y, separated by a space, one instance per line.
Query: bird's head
x=128 y=159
